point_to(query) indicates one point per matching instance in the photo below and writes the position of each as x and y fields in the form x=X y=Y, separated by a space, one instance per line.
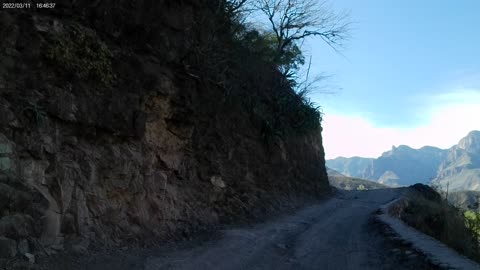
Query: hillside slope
x=354 y=166
x=112 y=130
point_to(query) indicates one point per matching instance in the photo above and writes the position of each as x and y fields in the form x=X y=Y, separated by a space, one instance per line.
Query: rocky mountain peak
x=471 y=143
x=399 y=150
x=402 y=165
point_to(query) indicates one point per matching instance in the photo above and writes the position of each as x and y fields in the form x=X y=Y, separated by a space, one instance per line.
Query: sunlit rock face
x=471 y=143
x=461 y=169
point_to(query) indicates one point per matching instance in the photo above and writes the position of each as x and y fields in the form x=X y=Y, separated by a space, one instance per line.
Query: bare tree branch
x=236 y=6
x=293 y=20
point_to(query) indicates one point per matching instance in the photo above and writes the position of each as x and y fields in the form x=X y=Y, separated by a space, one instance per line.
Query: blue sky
x=410 y=74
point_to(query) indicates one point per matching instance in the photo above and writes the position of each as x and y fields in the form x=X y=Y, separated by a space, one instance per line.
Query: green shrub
x=264 y=46
x=291 y=111
x=472 y=221
x=361 y=187
x=81 y=54
x=285 y=114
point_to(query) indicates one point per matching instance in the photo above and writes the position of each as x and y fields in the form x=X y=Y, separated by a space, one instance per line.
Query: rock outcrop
x=129 y=143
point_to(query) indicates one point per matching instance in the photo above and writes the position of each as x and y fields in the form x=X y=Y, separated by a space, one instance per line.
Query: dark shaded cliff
x=113 y=128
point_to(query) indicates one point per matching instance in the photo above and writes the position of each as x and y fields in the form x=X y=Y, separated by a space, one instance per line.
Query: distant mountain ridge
x=458 y=166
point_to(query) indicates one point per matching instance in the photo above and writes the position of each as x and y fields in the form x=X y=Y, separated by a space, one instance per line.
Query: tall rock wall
x=138 y=146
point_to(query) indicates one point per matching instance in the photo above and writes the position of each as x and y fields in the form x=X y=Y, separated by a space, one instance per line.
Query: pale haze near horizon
x=347 y=136
x=410 y=75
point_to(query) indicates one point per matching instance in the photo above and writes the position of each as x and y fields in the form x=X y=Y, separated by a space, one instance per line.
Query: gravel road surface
x=337 y=233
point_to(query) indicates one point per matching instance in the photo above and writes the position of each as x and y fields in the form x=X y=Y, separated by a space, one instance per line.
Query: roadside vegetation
x=262 y=48
x=429 y=212
x=472 y=220
x=466 y=202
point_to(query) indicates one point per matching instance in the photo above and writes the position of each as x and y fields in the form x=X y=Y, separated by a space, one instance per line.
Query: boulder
x=30 y=257
x=217 y=181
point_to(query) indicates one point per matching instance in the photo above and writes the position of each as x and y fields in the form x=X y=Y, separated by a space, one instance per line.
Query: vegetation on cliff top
x=238 y=45
x=252 y=49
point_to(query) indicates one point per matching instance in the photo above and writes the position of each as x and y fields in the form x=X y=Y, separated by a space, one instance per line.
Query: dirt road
x=332 y=235
x=335 y=234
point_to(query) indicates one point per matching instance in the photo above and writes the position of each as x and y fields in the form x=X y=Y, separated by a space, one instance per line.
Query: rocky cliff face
x=128 y=142
x=461 y=168
x=471 y=143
